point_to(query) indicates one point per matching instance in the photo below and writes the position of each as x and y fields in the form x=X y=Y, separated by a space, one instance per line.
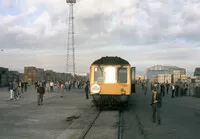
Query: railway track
x=120 y=121
x=90 y=125
x=120 y=126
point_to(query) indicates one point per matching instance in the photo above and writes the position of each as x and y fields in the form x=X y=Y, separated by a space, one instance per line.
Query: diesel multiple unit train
x=112 y=80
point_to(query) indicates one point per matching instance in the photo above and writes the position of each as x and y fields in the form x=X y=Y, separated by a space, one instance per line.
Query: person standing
x=51 y=86
x=142 y=86
x=66 y=85
x=11 y=90
x=181 y=89
x=145 y=88
x=48 y=86
x=36 y=84
x=151 y=85
x=156 y=103
x=62 y=88
x=40 y=92
x=155 y=86
x=167 y=87
x=162 y=89
x=173 y=90
x=15 y=89
x=20 y=89
x=25 y=86
x=177 y=88
x=87 y=90
x=70 y=85
x=185 y=89
x=57 y=86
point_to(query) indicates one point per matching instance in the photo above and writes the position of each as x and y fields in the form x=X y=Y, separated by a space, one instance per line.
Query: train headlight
x=123 y=91
x=110 y=75
x=95 y=89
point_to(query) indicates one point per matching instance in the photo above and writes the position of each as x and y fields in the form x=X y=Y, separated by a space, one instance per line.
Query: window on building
x=122 y=75
x=98 y=74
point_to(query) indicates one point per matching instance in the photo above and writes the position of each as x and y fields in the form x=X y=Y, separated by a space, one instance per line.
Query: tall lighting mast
x=70 y=42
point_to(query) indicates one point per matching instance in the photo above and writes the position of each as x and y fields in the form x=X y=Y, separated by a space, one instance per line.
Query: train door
x=133 y=80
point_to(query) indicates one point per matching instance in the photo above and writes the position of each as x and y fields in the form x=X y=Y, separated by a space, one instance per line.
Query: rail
x=90 y=125
x=120 y=125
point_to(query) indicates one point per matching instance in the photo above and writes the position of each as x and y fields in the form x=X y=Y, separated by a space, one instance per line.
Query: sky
x=144 y=32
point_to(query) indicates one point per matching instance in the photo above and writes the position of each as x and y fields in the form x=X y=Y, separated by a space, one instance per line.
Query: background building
x=3 y=76
x=32 y=74
x=140 y=76
x=50 y=75
x=39 y=74
x=160 y=73
x=7 y=76
x=197 y=71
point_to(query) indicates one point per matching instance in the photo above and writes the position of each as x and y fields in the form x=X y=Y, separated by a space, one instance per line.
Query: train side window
x=98 y=74
x=122 y=75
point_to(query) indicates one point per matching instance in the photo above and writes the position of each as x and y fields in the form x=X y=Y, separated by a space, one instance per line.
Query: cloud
x=142 y=31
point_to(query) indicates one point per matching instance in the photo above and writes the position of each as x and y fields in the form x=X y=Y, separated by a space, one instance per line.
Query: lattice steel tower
x=70 y=41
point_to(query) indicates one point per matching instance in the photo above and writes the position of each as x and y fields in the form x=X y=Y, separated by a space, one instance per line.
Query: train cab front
x=109 y=94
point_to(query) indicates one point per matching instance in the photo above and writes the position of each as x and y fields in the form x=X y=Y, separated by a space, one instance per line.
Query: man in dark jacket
x=25 y=86
x=156 y=103
x=162 y=89
x=40 y=92
x=167 y=87
x=87 y=89
x=177 y=87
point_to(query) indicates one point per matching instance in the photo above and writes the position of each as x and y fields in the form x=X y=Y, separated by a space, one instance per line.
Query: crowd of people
x=18 y=87
x=56 y=86
x=177 y=89
x=160 y=90
x=52 y=86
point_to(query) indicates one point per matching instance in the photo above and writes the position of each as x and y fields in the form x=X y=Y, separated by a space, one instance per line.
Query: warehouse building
x=14 y=75
x=32 y=74
x=39 y=74
x=197 y=71
x=7 y=76
x=160 y=73
x=50 y=75
x=3 y=76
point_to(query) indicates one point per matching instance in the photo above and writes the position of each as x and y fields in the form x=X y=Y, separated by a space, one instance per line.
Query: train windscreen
x=98 y=74
x=122 y=75
x=110 y=75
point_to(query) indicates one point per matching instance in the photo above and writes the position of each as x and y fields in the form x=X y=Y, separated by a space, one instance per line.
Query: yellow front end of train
x=111 y=81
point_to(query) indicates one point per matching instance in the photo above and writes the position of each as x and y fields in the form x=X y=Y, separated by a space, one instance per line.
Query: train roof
x=108 y=60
